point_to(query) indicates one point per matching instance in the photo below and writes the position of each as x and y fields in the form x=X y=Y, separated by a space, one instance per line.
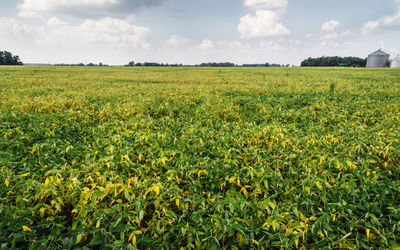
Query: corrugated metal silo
x=378 y=59
x=395 y=63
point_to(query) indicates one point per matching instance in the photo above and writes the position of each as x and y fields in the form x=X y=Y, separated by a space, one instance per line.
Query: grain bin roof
x=379 y=53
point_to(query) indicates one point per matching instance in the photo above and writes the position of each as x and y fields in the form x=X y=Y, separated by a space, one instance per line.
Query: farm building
x=395 y=63
x=378 y=59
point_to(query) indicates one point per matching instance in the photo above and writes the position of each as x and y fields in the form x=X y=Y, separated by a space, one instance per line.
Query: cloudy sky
x=195 y=31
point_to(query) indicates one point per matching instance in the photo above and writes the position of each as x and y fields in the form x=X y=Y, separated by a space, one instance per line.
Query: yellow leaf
x=308 y=190
x=368 y=232
x=289 y=231
x=275 y=224
x=244 y=191
x=272 y=205
x=344 y=203
x=7 y=182
x=157 y=190
x=26 y=229
x=131 y=236
x=148 y=191
x=255 y=242
x=98 y=224
x=78 y=238
x=46 y=183
x=138 y=232
x=302 y=217
x=134 y=239
x=177 y=202
x=42 y=210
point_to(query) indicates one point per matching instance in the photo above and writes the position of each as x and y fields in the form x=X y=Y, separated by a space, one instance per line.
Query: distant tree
x=151 y=64
x=334 y=61
x=130 y=64
x=214 y=64
x=6 y=58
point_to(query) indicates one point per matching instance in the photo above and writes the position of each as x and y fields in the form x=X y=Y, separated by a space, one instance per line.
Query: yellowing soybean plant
x=199 y=158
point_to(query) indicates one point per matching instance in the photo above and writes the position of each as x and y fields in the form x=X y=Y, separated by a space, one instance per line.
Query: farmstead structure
x=395 y=63
x=378 y=59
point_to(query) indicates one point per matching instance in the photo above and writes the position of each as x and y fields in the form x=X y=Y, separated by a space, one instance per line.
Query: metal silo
x=378 y=59
x=395 y=63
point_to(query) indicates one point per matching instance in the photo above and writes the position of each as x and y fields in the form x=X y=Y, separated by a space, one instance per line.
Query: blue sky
x=195 y=31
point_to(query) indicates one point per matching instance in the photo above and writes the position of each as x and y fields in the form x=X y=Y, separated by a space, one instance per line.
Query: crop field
x=220 y=158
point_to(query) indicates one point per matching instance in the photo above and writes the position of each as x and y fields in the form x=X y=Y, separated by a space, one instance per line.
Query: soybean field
x=199 y=158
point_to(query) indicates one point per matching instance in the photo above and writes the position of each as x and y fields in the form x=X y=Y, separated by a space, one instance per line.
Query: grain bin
x=395 y=63
x=378 y=59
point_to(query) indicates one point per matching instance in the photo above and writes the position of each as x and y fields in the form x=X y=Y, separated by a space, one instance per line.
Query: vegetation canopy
x=334 y=61
x=6 y=58
x=222 y=158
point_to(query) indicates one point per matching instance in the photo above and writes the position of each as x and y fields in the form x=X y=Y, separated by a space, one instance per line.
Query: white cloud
x=272 y=45
x=331 y=36
x=238 y=45
x=205 y=45
x=107 y=31
x=29 y=14
x=115 y=31
x=264 y=24
x=330 y=25
x=327 y=43
x=266 y=21
x=346 y=33
x=176 y=41
x=83 y=8
x=309 y=35
x=266 y=4
x=54 y=21
x=14 y=28
x=233 y=45
x=387 y=21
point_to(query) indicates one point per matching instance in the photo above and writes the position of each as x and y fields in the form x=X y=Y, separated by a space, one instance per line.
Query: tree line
x=6 y=58
x=82 y=65
x=208 y=64
x=334 y=61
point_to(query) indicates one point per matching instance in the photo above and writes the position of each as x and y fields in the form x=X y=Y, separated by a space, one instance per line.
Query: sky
x=116 y=32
